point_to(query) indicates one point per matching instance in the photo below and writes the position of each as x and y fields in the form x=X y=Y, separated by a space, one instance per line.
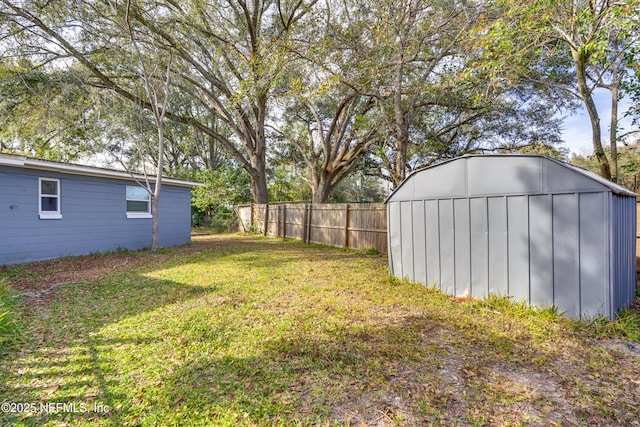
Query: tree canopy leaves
x=306 y=91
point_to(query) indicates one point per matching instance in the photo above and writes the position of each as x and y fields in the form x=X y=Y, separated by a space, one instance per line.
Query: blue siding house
x=51 y=209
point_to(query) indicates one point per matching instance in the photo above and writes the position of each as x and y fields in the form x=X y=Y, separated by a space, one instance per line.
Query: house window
x=49 y=198
x=138 y=202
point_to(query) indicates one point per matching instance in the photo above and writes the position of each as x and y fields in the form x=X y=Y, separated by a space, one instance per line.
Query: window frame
x=138 y=214
x=57 y=214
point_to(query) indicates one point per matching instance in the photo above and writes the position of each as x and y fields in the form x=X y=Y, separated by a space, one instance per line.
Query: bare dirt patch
x=40 y=278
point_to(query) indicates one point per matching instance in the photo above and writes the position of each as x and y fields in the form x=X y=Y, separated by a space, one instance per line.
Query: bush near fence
x=348 y=225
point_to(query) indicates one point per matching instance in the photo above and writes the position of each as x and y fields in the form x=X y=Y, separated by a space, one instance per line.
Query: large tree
x=44 y=113
x=413 y=59
x=591 y=36
x=332 y=135
x=227 y=54
x=412 y=49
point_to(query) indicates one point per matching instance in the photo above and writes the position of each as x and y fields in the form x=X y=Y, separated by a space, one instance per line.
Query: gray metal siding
x=406 y=228
x=523 y=172
x=444 y=182
x=394 y=237
x=175 y=216
x=566 y=260
x=570 y=249
x=432 y=242
x=479 y=247
x=623 y=243
x=544 y=249
x=541 y=250
x=498 y=246
x=485 y=176
x=419 y=243
x=447 y=246
x=593 y=260
x=518 y=247
x=462 y=245
x=93 y=217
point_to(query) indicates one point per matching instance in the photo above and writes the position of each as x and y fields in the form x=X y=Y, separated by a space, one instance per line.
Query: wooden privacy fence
x=357 y=226
x=347 y=225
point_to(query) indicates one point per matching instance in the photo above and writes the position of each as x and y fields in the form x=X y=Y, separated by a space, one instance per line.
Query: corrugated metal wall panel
x=523 y=172
x=631 y=249
x=632 y=289
x=419 y=245
x=462 y=244
x=566 y=253
x=406 y=228
x=572 y=250
x=447 y=246
x=541 y=250
x=559 y=179
x=432 y=241
x=623 y=245
x=498 y=255
x=617 y=218
x=593 y=241
x=479 y=247
x=518 y=246
x=445 y=182
x=394 y=236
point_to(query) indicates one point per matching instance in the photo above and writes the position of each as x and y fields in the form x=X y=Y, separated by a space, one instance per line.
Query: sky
x=577 y=127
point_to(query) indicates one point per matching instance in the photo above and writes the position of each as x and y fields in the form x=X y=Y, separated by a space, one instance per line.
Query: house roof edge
x=76 y=169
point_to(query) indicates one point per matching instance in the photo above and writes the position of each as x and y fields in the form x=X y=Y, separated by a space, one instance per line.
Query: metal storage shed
x=527 y=226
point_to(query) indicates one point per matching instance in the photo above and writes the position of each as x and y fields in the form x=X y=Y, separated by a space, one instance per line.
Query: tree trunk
x=155 y=227
x=259 y=189
x=613 y=132
x=258 y=181
x=402 y=129
x=400 y=166
x=320 y=192
x=581 y=75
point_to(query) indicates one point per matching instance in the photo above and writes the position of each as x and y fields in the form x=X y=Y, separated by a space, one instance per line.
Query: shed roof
x=75 y=169
x=507 y=174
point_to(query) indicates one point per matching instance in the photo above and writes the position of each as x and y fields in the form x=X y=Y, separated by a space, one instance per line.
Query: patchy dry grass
x=237 y=330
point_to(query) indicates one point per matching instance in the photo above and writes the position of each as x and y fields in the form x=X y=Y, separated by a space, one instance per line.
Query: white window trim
x=134 y=215
x=49 y=214
x=139 y=215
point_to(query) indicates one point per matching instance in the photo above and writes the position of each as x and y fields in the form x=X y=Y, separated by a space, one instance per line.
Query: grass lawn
x=239 y=330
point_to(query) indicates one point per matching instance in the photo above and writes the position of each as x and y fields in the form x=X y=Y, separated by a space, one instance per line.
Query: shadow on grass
x=405 y=372
x=65 y=356
x=62 y=356
x=154 y=352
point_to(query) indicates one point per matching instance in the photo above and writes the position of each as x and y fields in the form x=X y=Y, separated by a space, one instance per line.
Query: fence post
x=346 y=226
x=266 y=218
x=284 y=222
x=251 y=222
x=304 y=223
x=309 y=223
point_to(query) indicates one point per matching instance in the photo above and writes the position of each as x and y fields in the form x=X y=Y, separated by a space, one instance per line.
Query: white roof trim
x=70 y=168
